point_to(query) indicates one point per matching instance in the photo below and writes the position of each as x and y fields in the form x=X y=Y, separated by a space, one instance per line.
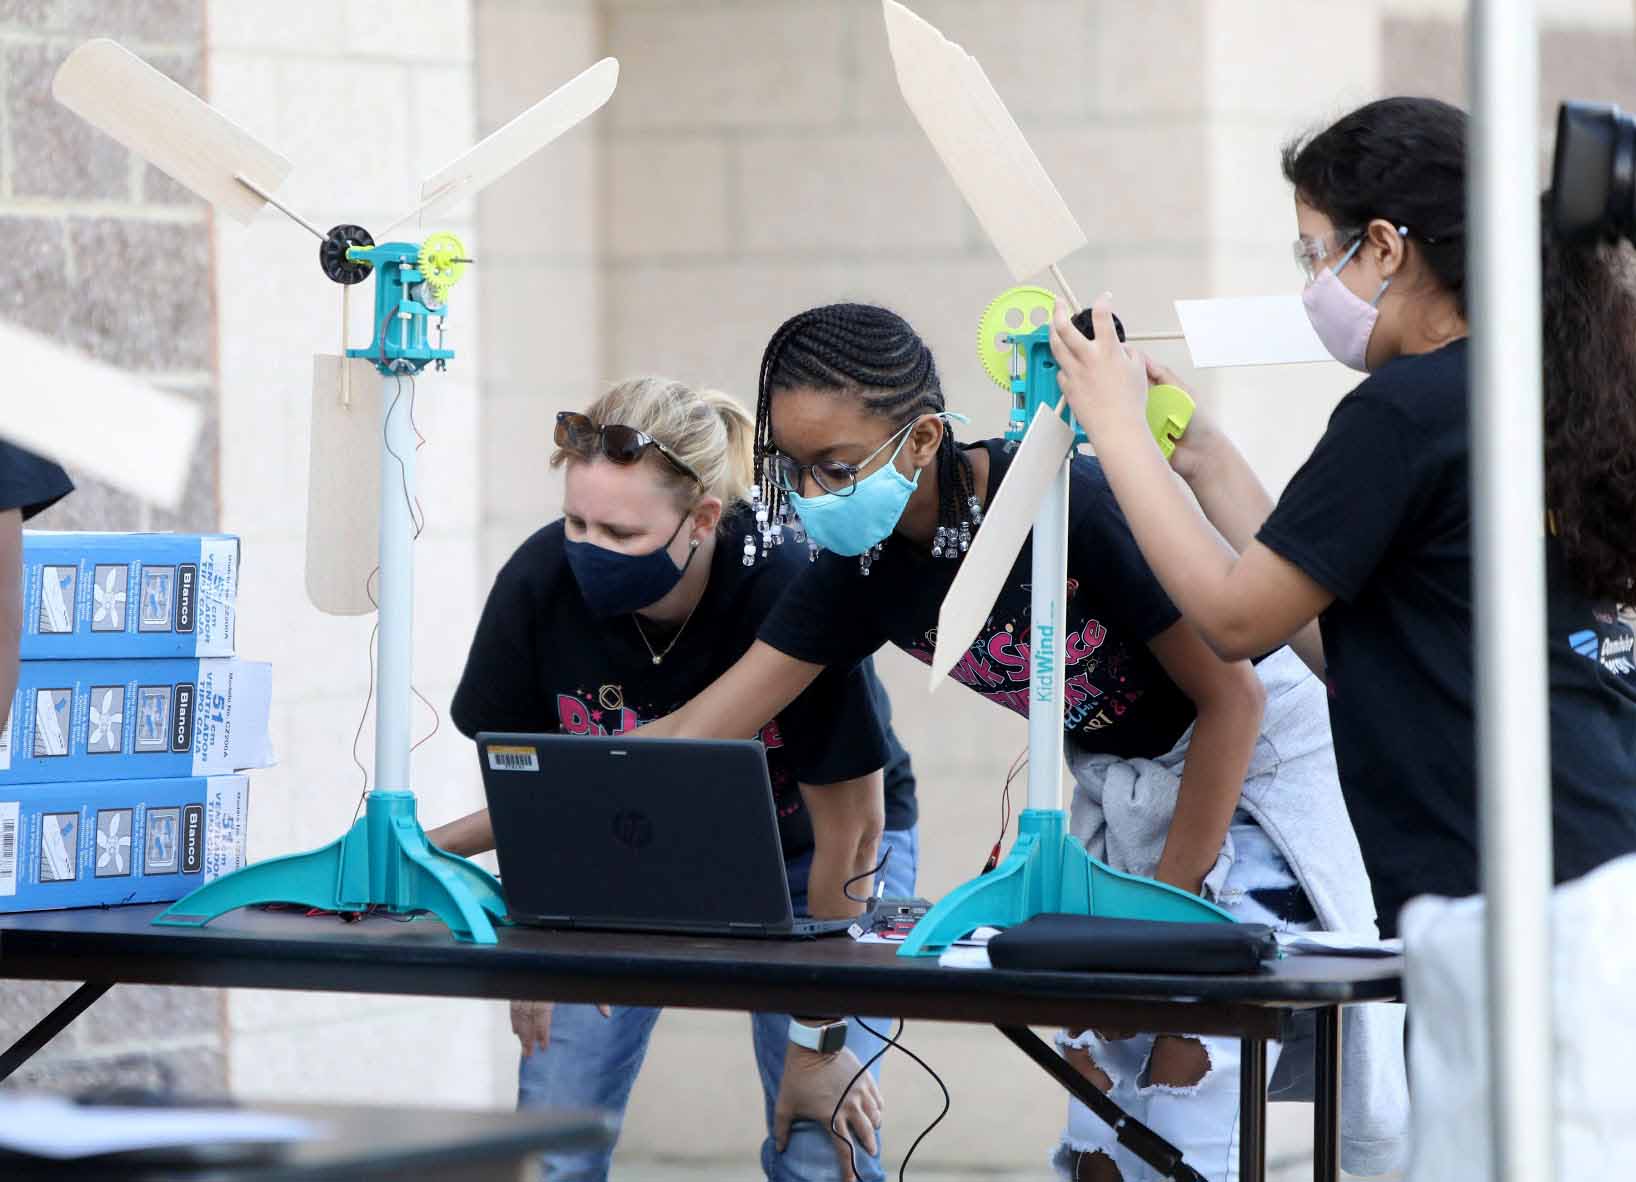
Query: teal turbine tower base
x=1047 y=870
x=384 y=860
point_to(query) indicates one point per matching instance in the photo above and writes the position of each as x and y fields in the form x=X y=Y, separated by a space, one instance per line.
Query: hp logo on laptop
x=633 y=829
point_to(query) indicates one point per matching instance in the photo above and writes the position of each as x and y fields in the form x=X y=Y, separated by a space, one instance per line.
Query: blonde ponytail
x=708 y=430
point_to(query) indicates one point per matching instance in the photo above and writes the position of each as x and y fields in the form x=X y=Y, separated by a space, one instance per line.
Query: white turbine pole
x=1508 y=503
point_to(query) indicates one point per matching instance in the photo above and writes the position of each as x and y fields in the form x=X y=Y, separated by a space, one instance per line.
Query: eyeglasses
x=1311 y=252
x=833 y=476
x=576 y=433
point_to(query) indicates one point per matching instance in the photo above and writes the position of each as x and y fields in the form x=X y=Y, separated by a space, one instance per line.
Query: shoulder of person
x=537 y=563
x=1425 y=388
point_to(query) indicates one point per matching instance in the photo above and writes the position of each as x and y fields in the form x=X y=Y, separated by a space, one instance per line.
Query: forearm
x=1218 y=758
x=1191 y=558
x=847 y=822
x=471 y=834
x=1237 y=505
x=1226 y=487
x=739 y=702
x=834 y=864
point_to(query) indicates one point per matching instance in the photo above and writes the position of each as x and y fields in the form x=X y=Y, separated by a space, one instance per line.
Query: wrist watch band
x=825 y=1039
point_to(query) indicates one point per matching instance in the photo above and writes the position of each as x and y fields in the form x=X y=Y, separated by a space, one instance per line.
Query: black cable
x=851 y=1145
x=887 y=857
x=924 y=1066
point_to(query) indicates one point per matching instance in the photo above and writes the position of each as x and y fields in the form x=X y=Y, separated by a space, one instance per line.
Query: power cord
x=887 y=1042
x=1017 y=766
x=880 y=868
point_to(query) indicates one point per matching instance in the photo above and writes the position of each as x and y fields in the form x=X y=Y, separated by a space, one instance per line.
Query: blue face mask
x=849 y=525
x=615 y=584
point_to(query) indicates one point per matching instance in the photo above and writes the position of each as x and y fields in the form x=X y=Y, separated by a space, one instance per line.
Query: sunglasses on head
x=621 y=445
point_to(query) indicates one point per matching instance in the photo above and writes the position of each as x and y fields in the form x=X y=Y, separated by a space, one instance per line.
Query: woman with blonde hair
x=615 y=615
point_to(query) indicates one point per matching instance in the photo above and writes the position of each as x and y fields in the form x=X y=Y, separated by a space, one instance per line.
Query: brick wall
x=110 y=257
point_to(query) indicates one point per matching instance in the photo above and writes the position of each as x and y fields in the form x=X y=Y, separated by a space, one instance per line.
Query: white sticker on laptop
x=513 y=759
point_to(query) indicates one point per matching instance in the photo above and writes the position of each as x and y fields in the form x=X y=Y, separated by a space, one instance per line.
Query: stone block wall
x=109 y=256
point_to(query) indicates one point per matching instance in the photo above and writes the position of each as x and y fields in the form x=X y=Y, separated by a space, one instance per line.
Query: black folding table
x=285 y=950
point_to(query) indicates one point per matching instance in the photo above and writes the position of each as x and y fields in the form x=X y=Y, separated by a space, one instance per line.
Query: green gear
x=1021 y=309
x=442 y=262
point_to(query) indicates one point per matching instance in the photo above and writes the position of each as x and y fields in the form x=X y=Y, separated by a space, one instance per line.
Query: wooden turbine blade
x=1006 y=522
x=97 y=420
x=982 y=147
x=503 y=150
x=169 y=126
x=344 y=484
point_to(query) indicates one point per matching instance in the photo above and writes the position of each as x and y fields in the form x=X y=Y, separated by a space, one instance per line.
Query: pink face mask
x=1343 y=321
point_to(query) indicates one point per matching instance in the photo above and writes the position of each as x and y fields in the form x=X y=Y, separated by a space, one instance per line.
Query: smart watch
x=826 y=1040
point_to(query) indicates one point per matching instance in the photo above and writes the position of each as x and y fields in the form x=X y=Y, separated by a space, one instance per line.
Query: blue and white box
x=136 y=841
x=136 y=720
x=105 y=595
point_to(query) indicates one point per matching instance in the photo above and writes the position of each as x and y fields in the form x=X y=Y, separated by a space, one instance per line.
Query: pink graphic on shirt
x=996 y=666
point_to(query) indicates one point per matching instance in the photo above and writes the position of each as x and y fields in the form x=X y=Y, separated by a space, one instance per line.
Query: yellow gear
x=442 y=262
x=1019 y=310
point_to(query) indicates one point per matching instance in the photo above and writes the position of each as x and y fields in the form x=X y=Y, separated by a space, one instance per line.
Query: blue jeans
x=592 y=1061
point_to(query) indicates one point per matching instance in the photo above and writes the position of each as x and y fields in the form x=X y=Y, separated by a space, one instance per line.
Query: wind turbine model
x=385 y=859
x=1030 y=225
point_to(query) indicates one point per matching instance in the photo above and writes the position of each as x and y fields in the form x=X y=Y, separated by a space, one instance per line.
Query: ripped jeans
x=1199 y=1118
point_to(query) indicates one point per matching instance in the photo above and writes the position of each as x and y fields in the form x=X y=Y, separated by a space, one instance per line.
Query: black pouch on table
x=1093 y=943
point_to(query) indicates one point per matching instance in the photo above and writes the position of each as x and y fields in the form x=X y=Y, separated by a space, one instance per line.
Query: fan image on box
x=363 y=442
x=1031 y=226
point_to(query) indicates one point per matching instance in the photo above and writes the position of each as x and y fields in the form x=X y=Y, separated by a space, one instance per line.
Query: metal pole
x=1048 y=614
x=1507 y=494
x=397 y=588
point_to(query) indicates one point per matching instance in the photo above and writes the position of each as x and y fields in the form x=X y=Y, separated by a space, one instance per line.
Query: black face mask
x=616 y=584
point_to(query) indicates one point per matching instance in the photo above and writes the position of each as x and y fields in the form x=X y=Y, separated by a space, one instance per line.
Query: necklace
x=658 y=657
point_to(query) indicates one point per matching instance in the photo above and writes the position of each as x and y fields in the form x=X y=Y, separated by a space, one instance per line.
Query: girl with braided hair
x=1216 y=777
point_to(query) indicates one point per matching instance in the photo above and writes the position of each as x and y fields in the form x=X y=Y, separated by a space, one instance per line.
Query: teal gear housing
x=1034 y=384
x=405 y=304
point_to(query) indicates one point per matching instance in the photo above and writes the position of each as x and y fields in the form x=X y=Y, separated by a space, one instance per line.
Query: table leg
x=1326 y=1110
x=1132 y=1134
x=1252 y=1110
x=53 y=1024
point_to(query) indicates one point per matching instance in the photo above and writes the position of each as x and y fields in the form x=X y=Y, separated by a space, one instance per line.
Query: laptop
x=660 y=835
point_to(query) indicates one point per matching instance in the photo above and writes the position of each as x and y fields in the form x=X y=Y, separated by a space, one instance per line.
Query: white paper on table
x=53 y=1128
x=963 y=956
x=1252 y=330
x=1336 y=944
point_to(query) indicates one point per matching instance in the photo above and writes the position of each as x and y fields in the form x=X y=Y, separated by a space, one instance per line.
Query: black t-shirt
x=1117 y=697
x=30 y=482
x=1380 y=515
x=540 y=662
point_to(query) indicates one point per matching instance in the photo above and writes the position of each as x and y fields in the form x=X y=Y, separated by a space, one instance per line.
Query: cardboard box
x=74 y=721
x=103 y=595
x=136 y=841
